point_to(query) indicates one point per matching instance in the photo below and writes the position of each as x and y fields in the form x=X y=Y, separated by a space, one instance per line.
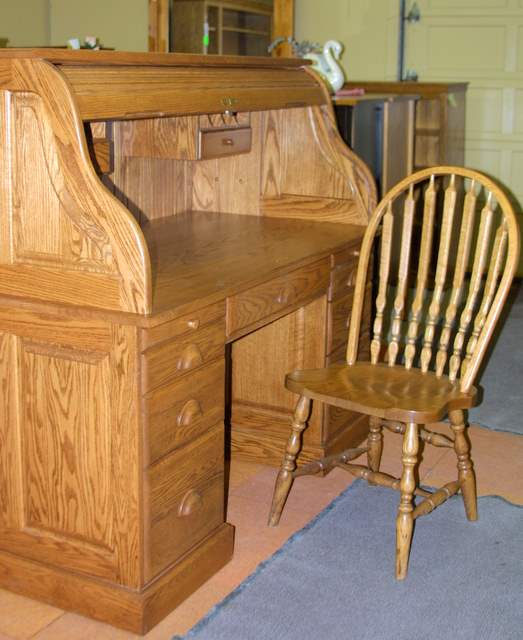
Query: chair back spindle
x=403 y=272
x=381 y=300
x=449 y=209
x=478 y=269
x=462 y=261
x=429 y=211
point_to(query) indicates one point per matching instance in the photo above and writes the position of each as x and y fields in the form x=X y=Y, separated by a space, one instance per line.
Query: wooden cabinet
x=131 y=265
x=209 y=26
x=380 y=129
x=439 y=137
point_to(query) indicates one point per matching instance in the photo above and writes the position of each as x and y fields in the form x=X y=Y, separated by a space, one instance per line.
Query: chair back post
x=361 y=282
x=479 y=347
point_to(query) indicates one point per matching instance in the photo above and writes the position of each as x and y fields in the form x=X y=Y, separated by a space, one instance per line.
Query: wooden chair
x=468 y=231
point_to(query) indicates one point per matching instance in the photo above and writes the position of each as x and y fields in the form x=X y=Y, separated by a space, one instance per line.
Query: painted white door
x=480 y=42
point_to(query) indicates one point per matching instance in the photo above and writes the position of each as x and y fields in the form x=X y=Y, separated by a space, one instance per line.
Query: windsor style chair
x=458 y=244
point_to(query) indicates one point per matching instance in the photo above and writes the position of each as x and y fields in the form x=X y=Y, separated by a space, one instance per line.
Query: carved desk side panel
x=65 y=238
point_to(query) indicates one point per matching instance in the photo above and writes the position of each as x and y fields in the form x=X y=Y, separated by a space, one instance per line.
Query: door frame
x=158 y=40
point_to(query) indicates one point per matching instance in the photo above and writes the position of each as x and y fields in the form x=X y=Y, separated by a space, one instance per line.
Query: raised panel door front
x=67 y=466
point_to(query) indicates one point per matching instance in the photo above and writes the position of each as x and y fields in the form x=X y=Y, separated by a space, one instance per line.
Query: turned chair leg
x=374 y=444
x=285 y=478
x=405 y=520
x=466 y=474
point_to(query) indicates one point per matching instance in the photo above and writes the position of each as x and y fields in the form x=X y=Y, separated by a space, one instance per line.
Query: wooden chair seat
x=392 y=393
x=446 y=245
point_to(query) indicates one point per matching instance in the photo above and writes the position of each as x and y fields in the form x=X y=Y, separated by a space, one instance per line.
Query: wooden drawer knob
x=283 y=297
x=191 y=357
x=191 y=502
x=191 y=410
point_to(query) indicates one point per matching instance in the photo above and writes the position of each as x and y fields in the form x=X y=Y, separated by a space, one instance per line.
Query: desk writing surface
x=205 y=256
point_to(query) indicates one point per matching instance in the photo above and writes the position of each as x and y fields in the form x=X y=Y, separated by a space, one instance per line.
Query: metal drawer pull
x=228 y=142
x=191 y=410
x=190 y=358
x=191 y=502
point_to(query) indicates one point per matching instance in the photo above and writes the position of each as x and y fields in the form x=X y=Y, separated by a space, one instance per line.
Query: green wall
x=367 y=28
x=121 y=24
x=25 y=22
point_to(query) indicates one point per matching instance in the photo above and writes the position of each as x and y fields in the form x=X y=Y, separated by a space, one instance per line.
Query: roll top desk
x=171 y=226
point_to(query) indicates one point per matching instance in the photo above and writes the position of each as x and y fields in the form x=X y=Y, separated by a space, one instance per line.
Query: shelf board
x=253 y=32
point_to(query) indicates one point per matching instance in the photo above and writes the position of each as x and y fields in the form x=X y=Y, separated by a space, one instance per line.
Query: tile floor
x=499 y=466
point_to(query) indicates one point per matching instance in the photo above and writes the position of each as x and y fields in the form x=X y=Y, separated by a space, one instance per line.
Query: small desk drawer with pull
x=276 y=296
x=178 y=412
x=185 y=498
x=183 y=327
x=217 y=143
x=174 y=358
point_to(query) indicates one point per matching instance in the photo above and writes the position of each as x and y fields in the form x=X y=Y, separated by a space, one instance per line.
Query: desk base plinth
x=136 y=611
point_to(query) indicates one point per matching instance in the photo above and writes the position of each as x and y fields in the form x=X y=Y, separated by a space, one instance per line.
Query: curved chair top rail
x=449 y=249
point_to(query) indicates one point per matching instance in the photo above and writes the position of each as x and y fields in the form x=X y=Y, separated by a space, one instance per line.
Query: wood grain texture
x=66 y=57
x=311 y=207
x=183 y=410
x=257 y=373
x=125 y=608
x=138 y=92
x=188 y=250
x=185 y=499
x=176 y=357
x=283 y=25
x=158 y=39
x=395 y=394
x=230 y=184
x=183 y=327
x=101 y=227
x=276 y=297
x=78 y=500
x=255 y=443
x=174 y=138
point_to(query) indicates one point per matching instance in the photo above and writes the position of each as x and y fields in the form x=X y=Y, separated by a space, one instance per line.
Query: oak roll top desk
x=161 y=215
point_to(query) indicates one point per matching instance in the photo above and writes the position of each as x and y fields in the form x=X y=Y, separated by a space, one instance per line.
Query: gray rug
x=334 y=578
x=502 y=376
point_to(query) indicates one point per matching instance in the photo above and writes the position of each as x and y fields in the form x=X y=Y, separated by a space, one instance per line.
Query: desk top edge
x=128 y=58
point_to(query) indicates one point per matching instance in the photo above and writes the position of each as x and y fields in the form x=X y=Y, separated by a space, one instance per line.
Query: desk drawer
x=218 y=143
x=184 y=409
x=186 y=498
x=184 y=326
x=274 y=298
x=174 y=358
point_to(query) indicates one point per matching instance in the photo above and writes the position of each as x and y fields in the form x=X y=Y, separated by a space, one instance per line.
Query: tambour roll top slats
x=448 y=250
x=120 y=85
x=107 y=92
